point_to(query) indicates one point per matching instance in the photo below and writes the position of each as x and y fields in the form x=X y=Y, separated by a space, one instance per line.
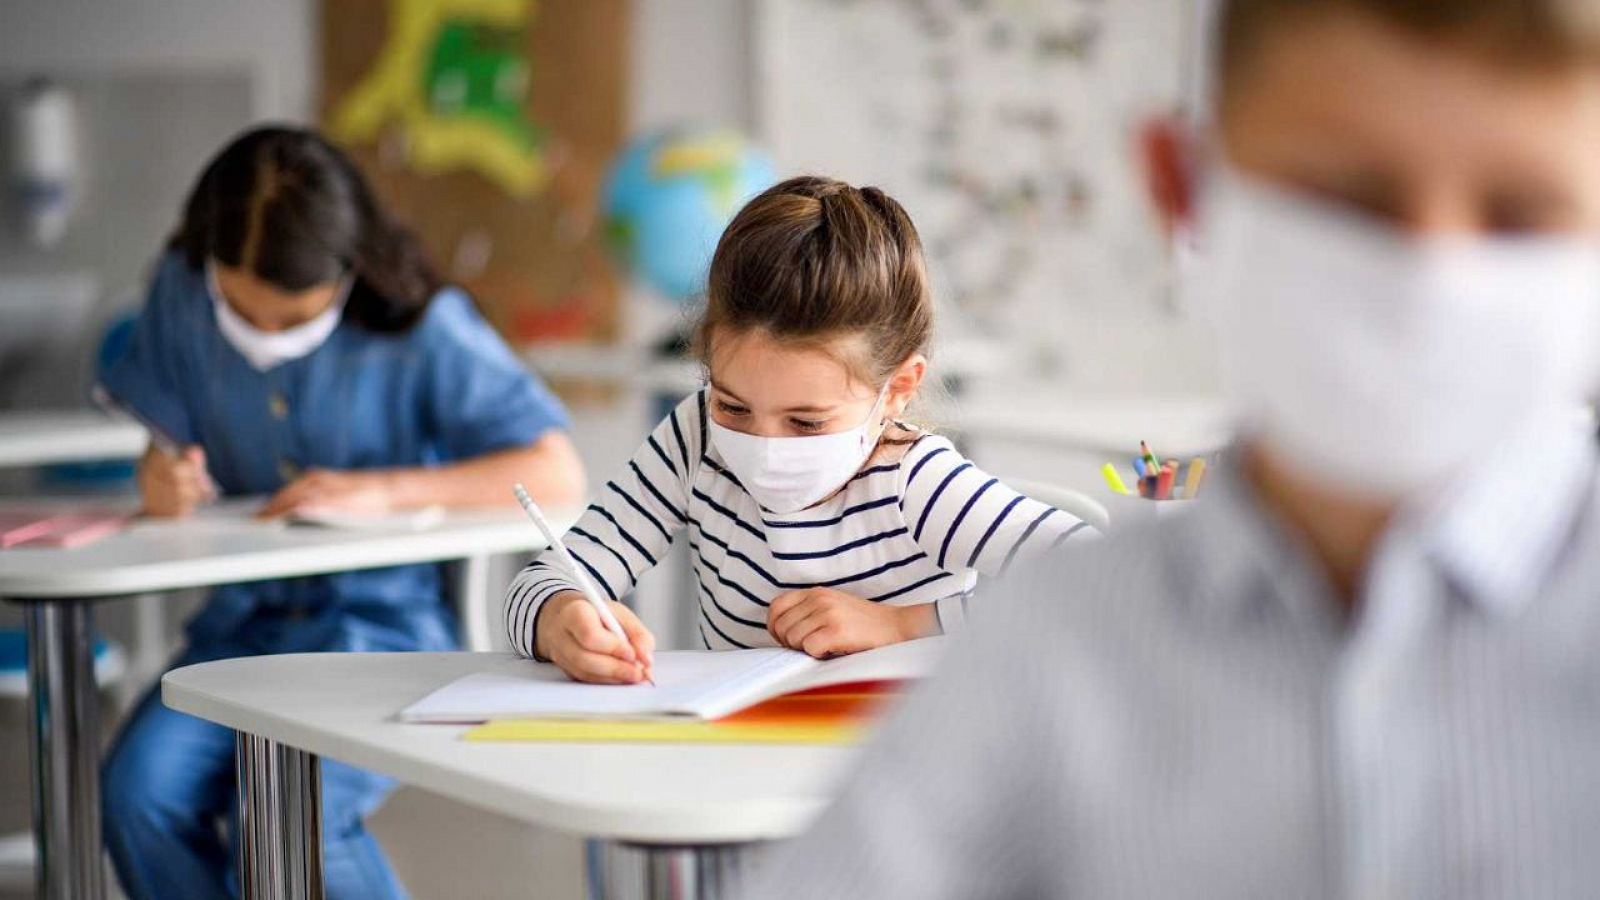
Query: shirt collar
x=1496 y=534
x=1243 y=557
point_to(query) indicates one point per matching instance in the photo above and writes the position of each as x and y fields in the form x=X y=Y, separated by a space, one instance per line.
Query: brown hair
x=812 y=260
x=1531 y=34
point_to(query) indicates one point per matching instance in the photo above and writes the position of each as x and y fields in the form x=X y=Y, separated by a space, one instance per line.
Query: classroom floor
x=444 y=850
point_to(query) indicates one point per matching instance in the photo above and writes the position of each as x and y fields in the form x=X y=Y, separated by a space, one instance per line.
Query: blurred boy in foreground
x=1365 y=665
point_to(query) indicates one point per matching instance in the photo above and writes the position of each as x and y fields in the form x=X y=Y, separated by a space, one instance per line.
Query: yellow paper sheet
x=690 y=732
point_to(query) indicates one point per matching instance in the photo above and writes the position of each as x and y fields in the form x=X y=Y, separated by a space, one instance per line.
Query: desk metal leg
x=624 y=871
x=280 y=821
x=64 y=731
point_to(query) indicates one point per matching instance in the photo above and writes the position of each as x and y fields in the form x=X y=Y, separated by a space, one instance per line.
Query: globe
x=668 y=197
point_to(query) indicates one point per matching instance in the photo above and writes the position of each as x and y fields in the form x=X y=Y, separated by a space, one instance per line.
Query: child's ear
x=905 y=382
x=1166 y=152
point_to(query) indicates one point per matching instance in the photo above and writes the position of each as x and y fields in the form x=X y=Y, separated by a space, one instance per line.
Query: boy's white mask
x=268 y=349
x=788 y=474
x=1381 y=364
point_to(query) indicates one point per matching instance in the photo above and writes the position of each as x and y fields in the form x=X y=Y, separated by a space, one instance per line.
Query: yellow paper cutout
x=490 y=137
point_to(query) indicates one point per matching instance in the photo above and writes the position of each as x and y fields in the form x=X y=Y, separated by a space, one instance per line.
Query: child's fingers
x=297 y=493
x=644 y=643
x=170 y=469
x=796 y=632
x=180 y=487
x=194 y=468
x=822 y=642
x=781 y=621
x=283 y=501
x=192 y=493
x=785 y=602
x=599 y=668
x=583 y=626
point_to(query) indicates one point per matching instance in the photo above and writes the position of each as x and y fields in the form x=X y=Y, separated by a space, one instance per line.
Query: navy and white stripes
x=916 y=529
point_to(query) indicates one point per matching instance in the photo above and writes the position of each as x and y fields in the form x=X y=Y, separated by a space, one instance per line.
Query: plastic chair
x=1065 y=499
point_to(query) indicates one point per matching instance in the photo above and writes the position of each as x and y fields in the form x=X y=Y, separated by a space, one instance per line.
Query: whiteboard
x=1007 y=129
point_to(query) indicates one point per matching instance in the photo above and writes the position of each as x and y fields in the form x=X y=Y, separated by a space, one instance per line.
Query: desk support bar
x=280 y=821
x=626 y=871
x=64 y=732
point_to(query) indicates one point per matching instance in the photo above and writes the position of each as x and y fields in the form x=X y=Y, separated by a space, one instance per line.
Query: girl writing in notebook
x=296 y=344
x=818 y=519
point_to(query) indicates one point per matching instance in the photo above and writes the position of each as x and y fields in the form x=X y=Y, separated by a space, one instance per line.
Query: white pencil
x=586 y=585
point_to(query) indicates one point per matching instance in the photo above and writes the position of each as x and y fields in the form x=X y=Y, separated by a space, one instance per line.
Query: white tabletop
x=223 y=544
x=342 y=706
x=58 y=436
x=1111 y=425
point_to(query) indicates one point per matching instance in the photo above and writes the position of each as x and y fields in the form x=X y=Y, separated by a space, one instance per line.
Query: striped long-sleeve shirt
x=918 y=529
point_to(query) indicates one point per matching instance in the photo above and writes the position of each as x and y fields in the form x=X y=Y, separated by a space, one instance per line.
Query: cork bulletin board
x=486 y=126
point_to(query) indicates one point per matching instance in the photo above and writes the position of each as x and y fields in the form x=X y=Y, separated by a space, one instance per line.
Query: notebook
x=65 y=529
x=407 y=520
x=839 y=714
x=689 y=686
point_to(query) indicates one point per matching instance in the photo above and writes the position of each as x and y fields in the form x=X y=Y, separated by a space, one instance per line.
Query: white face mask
x=1383 y=365
x=267 y=349
x=788 y=474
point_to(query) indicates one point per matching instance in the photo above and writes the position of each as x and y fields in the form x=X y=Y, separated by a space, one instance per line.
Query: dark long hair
x=287 y=206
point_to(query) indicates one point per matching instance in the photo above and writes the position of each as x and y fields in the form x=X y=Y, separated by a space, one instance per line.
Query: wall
x=270 y=41
x=159 y=84
x=691 y=62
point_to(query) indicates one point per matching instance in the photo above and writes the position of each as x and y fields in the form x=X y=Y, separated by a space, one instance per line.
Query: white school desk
x=219 y=545
x=1108 y=426
x=70 y=435
x=686 y=812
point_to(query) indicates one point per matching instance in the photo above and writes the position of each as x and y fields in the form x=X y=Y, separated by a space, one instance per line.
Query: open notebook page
x=403 y=520
x=684 y=680
x=706 y=685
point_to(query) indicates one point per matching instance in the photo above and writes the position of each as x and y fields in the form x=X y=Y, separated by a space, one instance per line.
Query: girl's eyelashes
x=735 y=411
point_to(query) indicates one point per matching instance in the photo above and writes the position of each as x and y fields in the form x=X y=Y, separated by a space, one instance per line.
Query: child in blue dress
x=300 y=346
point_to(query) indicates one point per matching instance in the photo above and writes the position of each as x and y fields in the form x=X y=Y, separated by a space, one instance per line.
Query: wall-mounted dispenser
x=42 y=183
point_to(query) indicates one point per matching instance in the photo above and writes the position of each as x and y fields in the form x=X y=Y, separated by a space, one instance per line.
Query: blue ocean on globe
x=668 y=197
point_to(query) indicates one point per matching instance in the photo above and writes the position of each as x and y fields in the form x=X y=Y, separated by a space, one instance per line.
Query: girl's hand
x=345 y=492
x=172 y=486
x=824 y=622
x=572 y=636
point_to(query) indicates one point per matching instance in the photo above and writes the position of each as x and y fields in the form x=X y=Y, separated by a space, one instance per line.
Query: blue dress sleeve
x=480 y=398
x=154 y=376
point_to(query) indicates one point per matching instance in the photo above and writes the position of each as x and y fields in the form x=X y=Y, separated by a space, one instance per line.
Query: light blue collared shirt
x=446 y=390
x=1183 y=711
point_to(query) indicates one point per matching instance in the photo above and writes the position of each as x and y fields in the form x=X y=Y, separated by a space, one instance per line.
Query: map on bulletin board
x=486 y=126
x=1006 y=127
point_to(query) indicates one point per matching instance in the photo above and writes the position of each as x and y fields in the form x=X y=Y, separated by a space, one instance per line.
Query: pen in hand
x=178 y=455
x=586 y=585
